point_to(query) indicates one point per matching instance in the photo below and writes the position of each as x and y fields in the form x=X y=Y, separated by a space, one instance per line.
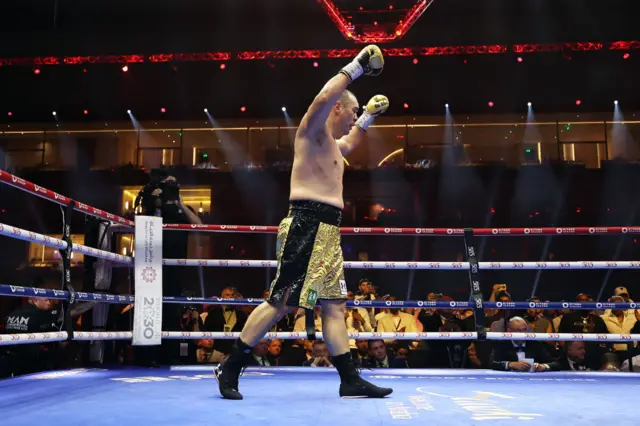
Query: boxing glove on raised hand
x=368 y=62
x=376 y=106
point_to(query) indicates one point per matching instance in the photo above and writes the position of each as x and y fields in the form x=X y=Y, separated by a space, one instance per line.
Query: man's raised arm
x=368 y=62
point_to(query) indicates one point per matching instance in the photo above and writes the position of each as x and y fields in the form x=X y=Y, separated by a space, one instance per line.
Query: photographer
x=161 y=197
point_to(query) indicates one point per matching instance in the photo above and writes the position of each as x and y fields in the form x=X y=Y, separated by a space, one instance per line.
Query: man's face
x=350 y=295
x=261 y=348
x=378 y=350
x=42 y=304
x=347 y=114
x=227 y=293
x=275 y=347
x=534 y=312
x=617 y=299
x=575 y=351
x=320 y=350
x=363 y=346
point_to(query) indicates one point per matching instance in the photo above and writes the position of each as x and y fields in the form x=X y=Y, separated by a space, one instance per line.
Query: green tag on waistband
x=312 y=297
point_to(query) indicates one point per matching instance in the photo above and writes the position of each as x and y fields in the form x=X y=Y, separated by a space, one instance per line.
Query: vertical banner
x=147 y=315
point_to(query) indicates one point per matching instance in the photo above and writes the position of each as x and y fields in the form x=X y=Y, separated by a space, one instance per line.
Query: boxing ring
x=188 y=395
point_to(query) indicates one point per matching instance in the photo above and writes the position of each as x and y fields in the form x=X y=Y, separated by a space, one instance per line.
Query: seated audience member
x=498 y=294
x=275 y=348
x=357 y=320
x=511 y=355
x=260 y=354
x=380 y=357
x=583 y=321
x=205 y=353
x=572 y=358
x=397 y=321
x=296 y=354
x=499 y=325
x=319 y=355
x=619 y=321
x=536 y=319
x=360 y=353
x=225 y=318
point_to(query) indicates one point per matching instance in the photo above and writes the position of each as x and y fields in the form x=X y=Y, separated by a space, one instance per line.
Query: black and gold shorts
x=310 y=262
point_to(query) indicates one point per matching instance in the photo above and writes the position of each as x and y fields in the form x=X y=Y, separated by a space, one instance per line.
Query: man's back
x=318 y=168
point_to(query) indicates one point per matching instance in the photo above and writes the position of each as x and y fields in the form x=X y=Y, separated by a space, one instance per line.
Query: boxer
x=310 y=260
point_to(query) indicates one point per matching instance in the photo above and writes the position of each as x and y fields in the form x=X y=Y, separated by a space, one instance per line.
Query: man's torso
x=318 y=168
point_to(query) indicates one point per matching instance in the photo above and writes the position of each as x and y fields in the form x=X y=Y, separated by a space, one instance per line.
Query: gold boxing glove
x=368 y=62
x=376 y=106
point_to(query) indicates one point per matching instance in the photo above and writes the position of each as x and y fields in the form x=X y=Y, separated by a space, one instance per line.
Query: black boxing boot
x=351 y=384
x=229 y=370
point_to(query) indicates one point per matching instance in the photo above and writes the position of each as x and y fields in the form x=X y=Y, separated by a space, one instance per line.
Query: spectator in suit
x=319 y=356
x=260 y=354
x=225 y=318
x=510 y=355
x=572 y=358
x=361 y=352
x=275 y=349
x=380 y=357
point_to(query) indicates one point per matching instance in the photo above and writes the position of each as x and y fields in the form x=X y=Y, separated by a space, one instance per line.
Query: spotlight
x=446 y=105
x=284 y=109
x=162 y=110
x=415 y=61
x=519 y=59
x=36 y=71
x=529 y=104
x=405 y=106
x=86 y=112
x=128 y=111
x=243 y=109
x=615 y=102
x=490 y=104
x=223 y=66
x=9 y=113
x=125 y=68
x=315 y=65
x=578 y=102
x=54 y=113
x=206 y=110
x=626 y=56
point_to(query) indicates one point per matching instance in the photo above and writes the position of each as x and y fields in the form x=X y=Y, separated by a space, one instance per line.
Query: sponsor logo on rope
x=420 y=303
x=222 y=263
x=434 y=265
x=612 y=264
x=110 y=216
x=16 y=231
x=37 y=291
x=389 y=265
x=16 y=289
x=16 y=179
x=393 y=230
x=632 y=305
x=376 y=334
x=412 y=265
x=97 y=211
x=59 y=293
x=518 y=265
x=497 y=231
x=587 y=264
x=365 y=230
x=456 y=265
x=40 y=189
x=564 y=265
x=472 y=251
x=495 y=265
x=566 y=230
x=474 y=268
x=367 y=265
x=265 y=264
x=541 y=265
x=424 y=231
x=452 y=304
x=244 y=263
x=533 y=230
x=625 y=337
x=97 y=296
x=82 y=206
x=529 y=335
x=258 y=228
x=203 y=263
x=57 y=196
x=598 y=230
x=601 y=337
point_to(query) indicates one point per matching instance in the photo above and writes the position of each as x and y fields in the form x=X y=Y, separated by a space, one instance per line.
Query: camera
x=161 y=191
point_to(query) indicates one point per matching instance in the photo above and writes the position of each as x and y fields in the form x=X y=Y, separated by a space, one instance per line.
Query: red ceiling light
x=223 y=66
x=415 y=61
x=626 y=56
x=125 y=68
x=519 y=58
x=86 y=112
x=243 y=109
x=578 y=102
x=162 y=110
x=490 y=104
x=361 y=34
x=315 y=65
x=10 y=114
x=406 y=105
x=36 y=71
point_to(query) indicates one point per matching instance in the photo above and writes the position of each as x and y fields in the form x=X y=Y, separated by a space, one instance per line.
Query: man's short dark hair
x=317 y=342
x=371 y=342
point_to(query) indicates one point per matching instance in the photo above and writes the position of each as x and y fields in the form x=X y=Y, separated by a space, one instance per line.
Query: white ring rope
x=27 y=338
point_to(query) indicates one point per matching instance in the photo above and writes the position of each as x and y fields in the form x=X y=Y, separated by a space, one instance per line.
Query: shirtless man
x=309 y=255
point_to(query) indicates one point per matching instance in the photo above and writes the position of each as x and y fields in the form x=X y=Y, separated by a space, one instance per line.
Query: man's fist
x=376 y=106
x=368 y=62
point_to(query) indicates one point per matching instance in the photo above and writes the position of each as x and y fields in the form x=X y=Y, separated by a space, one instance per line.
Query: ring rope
x=47 y=194
x=444 y=266
x=24 y=235
x=19 y=291
x=27 y=338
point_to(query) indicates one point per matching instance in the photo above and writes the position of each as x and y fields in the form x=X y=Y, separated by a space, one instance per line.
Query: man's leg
x=334 y=331
x=259 y=322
